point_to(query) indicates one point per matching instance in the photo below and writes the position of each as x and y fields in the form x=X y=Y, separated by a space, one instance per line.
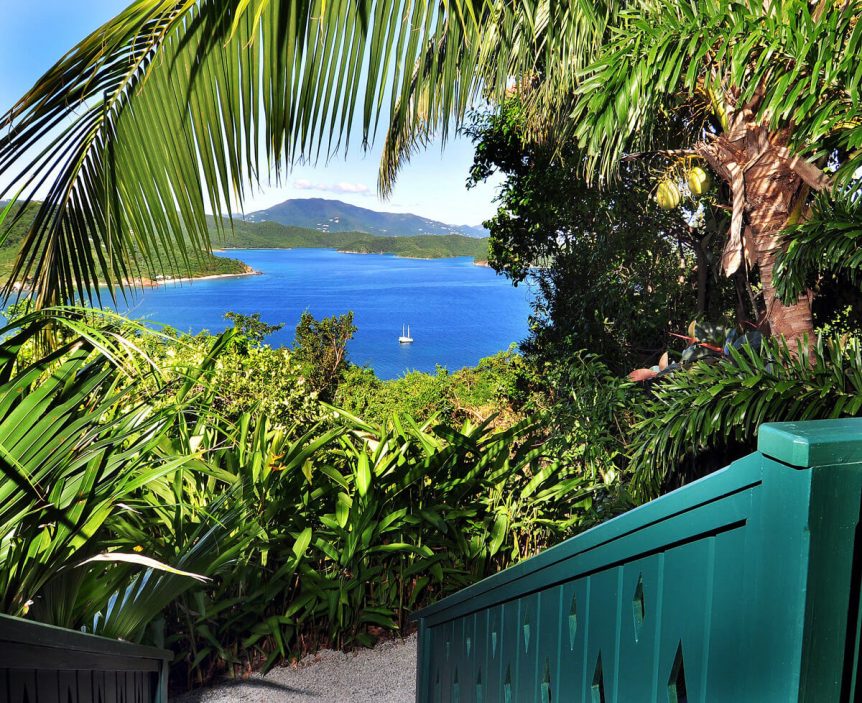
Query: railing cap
x=21 y=631
x=813 y=442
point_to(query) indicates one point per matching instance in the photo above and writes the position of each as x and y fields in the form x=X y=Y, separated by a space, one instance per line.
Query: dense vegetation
x=271 y=235
x=196 y=492
x=680 y=180
x=166 y=262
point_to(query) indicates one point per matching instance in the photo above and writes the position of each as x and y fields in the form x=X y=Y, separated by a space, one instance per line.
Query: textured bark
x=759 y=169
x=772 y=191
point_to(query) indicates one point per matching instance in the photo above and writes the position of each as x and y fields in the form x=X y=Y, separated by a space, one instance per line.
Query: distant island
x=256 y=232
x=327 y=215
x=271 y=235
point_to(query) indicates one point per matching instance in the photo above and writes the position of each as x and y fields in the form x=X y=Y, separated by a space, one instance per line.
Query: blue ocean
x=458 y=312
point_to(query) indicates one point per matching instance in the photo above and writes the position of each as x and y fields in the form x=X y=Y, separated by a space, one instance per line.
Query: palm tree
x=178 y=104
x=768 y=94
x=771 y=93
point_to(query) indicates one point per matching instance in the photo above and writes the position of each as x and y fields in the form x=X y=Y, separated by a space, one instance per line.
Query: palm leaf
x=175 y=106
x=713 y=405
x=829 y=240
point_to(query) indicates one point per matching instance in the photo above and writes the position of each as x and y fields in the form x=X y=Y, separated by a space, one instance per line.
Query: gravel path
x=385 y=674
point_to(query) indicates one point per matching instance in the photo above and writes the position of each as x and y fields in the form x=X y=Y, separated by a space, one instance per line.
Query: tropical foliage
x=614 y=272
x=202 y=492
x=765 y=95
x=826 y=244
x=143 y=498
x=715 y=407
x=491 y=388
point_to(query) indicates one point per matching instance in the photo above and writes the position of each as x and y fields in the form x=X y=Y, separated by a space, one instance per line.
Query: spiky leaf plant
x=829 y=240
x=719 y=402
x=80 y=447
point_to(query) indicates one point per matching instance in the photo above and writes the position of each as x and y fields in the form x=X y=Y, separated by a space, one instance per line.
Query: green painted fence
x=743 y=586
x=45 y=664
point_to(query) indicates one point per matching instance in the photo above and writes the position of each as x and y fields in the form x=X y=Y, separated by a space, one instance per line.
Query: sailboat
x=405 y=338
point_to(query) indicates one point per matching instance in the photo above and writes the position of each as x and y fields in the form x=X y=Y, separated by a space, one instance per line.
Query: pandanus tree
x=177 y=105
x=772 y=92
x=767 y=94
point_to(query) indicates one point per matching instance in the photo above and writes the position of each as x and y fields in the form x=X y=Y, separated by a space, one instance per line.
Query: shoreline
x=397 y=256
x=149 y=282
x=225 y=250
x=153 y=283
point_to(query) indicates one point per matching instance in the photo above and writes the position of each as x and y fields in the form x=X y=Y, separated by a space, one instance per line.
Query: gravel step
x=384 y=674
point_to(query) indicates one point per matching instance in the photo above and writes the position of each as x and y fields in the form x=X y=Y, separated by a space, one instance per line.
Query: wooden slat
x=22 y=686
x=47 y=687
x=85 y=687
x=25 y=656
x=36 y=633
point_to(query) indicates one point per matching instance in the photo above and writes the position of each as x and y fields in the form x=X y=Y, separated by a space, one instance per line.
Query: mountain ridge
x=331 y=215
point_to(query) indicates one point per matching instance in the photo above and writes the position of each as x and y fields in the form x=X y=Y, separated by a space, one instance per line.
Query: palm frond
x=713 y=404
x=175 y=106
x=536 y=48
x=801 y=67
x=829 y=240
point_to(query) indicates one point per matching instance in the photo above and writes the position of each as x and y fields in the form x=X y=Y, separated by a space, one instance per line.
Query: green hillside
x=328 y=215
x=265 y=235
x=426 y=246
x=200 y=263
x=271 y=235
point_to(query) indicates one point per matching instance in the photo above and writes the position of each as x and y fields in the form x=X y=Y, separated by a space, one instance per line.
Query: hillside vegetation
x=199 y=263
x=261 y=235
x=271 y=235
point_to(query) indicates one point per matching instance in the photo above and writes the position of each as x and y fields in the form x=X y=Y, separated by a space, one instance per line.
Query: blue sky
x=33 y=35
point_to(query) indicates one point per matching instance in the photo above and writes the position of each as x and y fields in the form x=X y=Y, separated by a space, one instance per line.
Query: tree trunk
x=772 y=192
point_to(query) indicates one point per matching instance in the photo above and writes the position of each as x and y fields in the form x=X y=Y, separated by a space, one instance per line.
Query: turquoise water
x=457 y=312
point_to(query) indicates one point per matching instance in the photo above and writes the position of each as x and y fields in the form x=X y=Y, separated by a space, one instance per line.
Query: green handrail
x=743 y=586
x=41 y=663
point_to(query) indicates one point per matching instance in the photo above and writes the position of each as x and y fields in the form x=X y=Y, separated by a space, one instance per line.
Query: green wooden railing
x=45 y=664
x=743 y=586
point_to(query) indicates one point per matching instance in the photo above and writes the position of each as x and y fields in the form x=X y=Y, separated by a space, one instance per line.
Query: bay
x=458 y=312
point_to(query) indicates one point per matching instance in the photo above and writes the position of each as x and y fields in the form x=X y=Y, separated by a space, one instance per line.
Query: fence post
x=829 y=452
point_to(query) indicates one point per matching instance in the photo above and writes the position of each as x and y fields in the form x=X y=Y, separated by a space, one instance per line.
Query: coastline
x=396 y=256
x=225 y=250
x=18 y=286
x=152 y=283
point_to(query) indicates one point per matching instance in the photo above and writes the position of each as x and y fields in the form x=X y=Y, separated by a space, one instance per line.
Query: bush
x=212 y=524
x=475 y=393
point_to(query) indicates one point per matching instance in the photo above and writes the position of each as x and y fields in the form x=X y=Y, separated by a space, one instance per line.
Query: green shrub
x=475 y=393
x=235 y=530
x=709 y=413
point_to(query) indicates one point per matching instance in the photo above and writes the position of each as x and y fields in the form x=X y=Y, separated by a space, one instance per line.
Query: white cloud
x=341 y=187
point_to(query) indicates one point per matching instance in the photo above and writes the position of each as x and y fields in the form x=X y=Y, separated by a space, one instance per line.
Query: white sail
x=405 y=337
